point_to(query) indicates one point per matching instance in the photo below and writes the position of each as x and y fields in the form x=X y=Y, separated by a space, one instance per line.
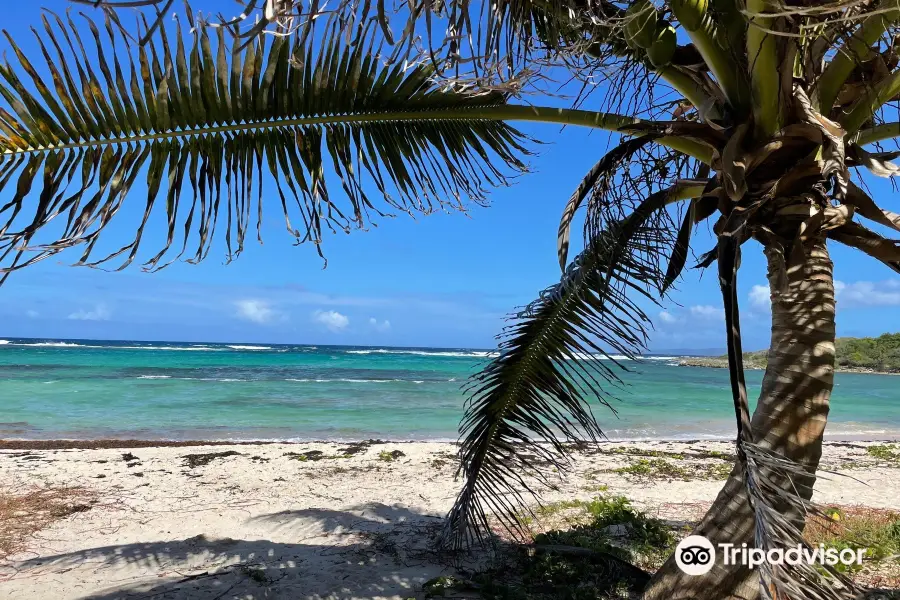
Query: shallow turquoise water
x=160 y=390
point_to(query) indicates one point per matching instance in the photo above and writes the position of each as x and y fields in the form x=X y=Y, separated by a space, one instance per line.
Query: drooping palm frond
x=698 y=211
x=611 y=162
x=220 y=121
x=536 y=395
x=867 y=241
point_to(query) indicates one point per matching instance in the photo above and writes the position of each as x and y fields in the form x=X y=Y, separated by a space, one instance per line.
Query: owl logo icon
x=695 y=555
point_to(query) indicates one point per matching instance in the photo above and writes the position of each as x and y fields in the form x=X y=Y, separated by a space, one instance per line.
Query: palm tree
x=749 y=114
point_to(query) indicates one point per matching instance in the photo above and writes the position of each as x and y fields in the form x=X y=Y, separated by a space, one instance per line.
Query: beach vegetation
x=315 y=455
x=192 y=461
x=751 y=119
x=615 y=517
x=880 y=353
x=856 y=527
x=658 y=468
x=598 y=550
x=599 y=522
x=718 y=454
x=649 y=453
x=390 y=455
x=884 y=452
x=256 y=573
x=869 y=354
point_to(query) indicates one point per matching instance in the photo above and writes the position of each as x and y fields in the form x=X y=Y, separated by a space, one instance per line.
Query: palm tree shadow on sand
x=377 y=551
x=368 y=552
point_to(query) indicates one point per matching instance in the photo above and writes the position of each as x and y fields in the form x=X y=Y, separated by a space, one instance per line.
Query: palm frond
x=460 y=32
x=221 y=120
x=866 y=207
x=535 y=396
x=698 y=211
x=867 y=241
x=605 y=168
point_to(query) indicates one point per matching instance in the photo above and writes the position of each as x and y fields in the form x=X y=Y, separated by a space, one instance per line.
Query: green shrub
x=643 y=536
x=857 y=528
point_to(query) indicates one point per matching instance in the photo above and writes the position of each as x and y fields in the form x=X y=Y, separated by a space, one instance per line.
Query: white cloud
x=32 y=314
x=667 y=317
x=331 y=319
x=708 y=312
x=382 y=326
x=857 y=294
x=100 y=313
x=760 y=297
x=257 y=311
x=868 y=293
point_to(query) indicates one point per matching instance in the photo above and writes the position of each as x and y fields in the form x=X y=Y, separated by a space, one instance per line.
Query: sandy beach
x=317 y=520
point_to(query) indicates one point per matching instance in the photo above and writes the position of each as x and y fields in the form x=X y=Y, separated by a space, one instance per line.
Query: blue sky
x=441 y=280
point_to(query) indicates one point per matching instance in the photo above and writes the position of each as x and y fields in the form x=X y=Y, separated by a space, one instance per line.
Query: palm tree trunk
x=789 y=418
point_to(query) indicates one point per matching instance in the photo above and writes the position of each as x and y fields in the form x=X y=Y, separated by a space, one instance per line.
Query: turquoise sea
x=84 y=389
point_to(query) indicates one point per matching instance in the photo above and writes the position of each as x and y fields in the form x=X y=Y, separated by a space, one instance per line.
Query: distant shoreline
x=721 y=362
x=131 y=444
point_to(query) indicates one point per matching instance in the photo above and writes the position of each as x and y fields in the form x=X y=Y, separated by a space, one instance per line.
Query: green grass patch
x=604 y=556
x=652 y=468
x=729 y=456
x=390 y=456
x=615 y=527
x=648 y=453
x=877 y=530
x=885 y=452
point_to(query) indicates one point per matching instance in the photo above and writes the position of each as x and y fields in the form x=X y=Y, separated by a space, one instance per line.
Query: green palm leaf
x=534 y=397
x=219 y=120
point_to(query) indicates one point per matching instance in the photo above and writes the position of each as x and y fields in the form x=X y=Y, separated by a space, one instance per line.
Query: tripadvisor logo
x=696 y=555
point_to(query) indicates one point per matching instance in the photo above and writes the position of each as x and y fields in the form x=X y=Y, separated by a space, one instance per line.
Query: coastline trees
x=765 y=125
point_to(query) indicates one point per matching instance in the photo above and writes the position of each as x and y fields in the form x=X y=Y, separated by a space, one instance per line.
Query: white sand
x=264 y=525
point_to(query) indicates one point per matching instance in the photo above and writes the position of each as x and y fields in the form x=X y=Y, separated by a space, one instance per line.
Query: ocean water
x=82 y=389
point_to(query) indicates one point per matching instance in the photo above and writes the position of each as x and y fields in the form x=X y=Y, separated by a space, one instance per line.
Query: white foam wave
x=586 y=356
x=71 y=345
x=494 y=354
x=4 y=342
x=466 y=354
x=56 y=345
x=250 y=347
x=347 y=380
x=225 y=379
x=176 y=348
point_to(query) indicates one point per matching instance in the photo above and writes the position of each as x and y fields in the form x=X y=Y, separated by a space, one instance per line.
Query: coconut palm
x=757 y=116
